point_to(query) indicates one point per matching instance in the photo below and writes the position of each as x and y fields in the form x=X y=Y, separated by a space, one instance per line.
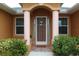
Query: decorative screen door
x=41 y=30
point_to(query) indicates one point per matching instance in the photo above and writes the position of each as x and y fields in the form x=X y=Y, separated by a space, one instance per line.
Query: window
x=63 y=26
x=19 y=25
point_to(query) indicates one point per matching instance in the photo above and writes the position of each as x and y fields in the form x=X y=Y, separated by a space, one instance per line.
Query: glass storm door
x=41 y=30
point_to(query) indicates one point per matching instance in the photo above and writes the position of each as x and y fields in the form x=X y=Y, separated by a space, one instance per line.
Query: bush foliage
x=66 y=45
x=13 y=47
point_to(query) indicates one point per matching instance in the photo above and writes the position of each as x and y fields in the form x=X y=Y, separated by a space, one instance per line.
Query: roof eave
x=4 y=7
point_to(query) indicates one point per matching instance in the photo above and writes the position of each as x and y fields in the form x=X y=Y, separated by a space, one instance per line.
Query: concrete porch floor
x=38 y=51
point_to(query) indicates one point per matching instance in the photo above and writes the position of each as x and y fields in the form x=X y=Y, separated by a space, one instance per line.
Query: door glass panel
x=41 y=29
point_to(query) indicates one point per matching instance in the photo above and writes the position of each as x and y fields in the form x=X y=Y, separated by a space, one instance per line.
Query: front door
x=41 y=30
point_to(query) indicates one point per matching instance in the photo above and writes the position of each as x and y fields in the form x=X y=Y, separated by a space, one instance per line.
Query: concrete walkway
x=41 y=52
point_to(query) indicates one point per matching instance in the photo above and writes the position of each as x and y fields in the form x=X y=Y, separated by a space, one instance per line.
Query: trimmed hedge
x=66 y=45
x=13 y=47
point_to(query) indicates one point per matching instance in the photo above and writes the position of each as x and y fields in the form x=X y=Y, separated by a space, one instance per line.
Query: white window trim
x=66 y=25
x=18 y=25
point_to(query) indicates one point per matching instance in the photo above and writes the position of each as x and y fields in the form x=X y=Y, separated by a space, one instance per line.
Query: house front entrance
x=41 y=30
x=36 y=32
x=41 y=27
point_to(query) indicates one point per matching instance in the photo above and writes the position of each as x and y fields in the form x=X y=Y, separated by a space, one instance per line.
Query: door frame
x=41 y=42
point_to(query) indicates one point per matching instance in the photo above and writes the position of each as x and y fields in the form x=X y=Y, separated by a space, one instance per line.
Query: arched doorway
x=41 y=26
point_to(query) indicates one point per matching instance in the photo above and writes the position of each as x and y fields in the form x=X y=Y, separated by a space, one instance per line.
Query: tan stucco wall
x=75 y=23
x=6 y=25
x=30 y=6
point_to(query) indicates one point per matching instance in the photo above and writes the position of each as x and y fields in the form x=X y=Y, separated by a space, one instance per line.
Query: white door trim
x=41 y=42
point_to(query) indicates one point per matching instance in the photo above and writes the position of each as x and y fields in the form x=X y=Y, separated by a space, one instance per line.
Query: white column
x=55 y=23
x=27 y=27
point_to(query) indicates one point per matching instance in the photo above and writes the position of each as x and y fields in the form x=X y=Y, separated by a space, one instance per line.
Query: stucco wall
x=75 y=23
x=6 y=25
x=30 y=6
x=7 y=22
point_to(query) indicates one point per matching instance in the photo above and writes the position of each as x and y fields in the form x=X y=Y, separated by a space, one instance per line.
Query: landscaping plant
x=64 y=45
x=77 y=47
x=13 y=47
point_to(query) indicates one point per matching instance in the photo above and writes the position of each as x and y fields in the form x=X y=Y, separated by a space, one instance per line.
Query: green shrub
x=13 y=47
x=77 y=48
x=76 y=52
x=64 y=45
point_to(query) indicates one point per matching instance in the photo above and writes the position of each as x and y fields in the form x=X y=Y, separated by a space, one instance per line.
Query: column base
x=29 y=48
